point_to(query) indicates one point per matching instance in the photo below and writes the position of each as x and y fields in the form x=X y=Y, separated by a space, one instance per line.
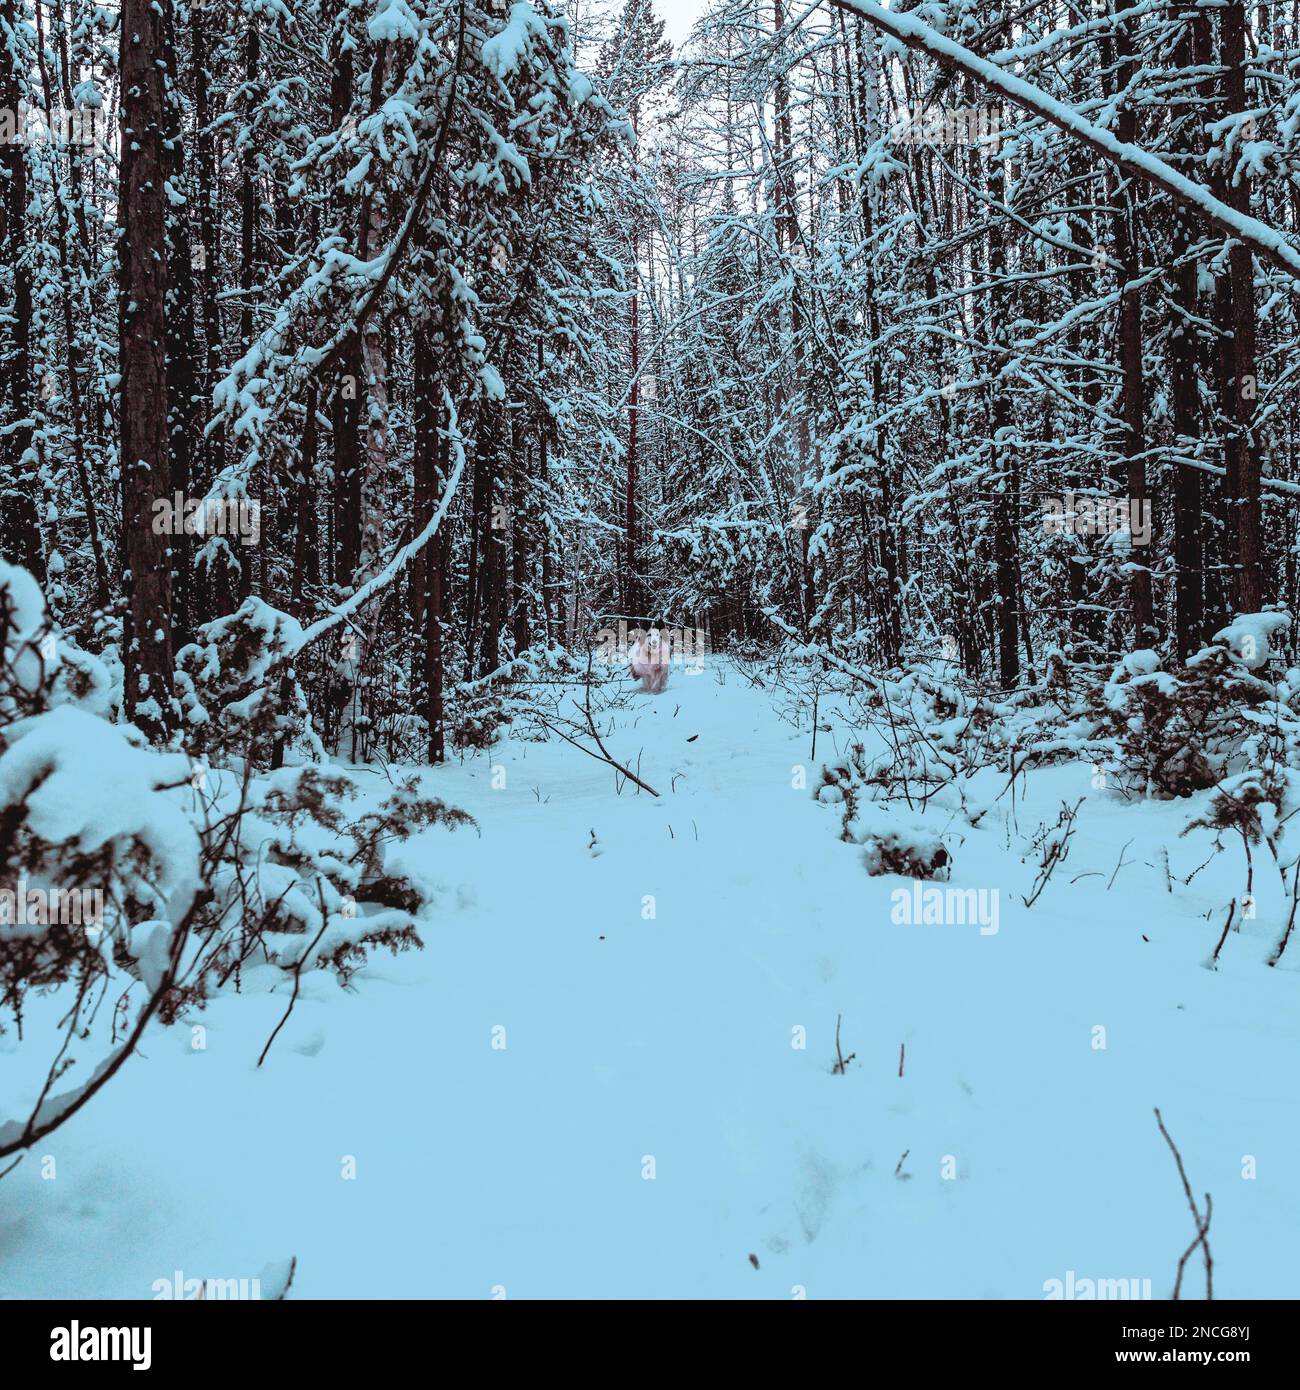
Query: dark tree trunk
x=427 y=583
x=68 y=277
x=249 y=279
x=1133 y=402
x=212 y=593
x=185 y=423
x=476 y=580
x=146 y=473
x=494 y=571
x=634 y=597
x=520 y=528
x=348 y=386
x=306 y=548
x=543 y=481
x=20 y=482
x=1242 y=458
x=1005 y=465
x=1189 y=544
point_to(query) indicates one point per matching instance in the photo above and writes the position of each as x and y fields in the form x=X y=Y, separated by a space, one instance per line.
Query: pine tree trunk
x=349 y=382
x=146 y=474
x=521 y=525
x=1005 y=464
x=427 y=582
x=68 y=308
x=211 y=594
x=633 y=598
x=1133 y=404
x=185 y=423
x=1189 y=546
x=1242 y=458
x=20 y=483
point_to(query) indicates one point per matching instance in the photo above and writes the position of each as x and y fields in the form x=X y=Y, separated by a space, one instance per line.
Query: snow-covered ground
x=650 y=1126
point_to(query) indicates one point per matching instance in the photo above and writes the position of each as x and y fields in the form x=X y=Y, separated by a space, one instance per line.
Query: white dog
x=649 y=660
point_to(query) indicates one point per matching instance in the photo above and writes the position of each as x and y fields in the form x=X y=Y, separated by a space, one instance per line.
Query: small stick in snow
x=1198 y=869
x=898 y=1171
x=1055 y=849
x=1214 y=959
x=902 y=1052
x=288 y=1283
x=1290 y=921
x=602 y=756
x=1204 y=1244
x=1122 y=864
x=1202 y=1226
x=297 y=978
x=843 y=1060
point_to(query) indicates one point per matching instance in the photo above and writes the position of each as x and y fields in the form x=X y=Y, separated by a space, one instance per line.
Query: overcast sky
x=678 y=16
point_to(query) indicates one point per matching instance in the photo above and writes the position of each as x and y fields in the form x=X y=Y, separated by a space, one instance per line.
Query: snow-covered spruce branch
x=379 y=582
x=308 y=364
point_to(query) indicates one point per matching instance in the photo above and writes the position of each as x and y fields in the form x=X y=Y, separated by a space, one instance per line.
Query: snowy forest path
x=612 y=1066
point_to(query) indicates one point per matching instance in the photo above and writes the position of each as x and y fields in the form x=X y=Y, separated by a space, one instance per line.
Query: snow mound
x=1248 y=635
x=894 y=844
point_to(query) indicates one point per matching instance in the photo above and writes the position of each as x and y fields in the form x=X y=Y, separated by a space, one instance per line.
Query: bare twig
x=1187 y=1254
x=1055 y=849
x=288 y=1283
x=602 y=756
x=67 y=1106
x=1214 y=959
x=1122 y=863
x=1202 y=1225
x=297 y=977
x=1290 y=921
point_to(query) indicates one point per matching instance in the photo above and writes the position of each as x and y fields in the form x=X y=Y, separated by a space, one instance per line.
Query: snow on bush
x=98 y=863
x=1177 y=731
x=139 y=874
x=1159 y=729
x=479 y=711
x=1250 y=635
x=236 y=691
x=892 y=843
x=1164 y=729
